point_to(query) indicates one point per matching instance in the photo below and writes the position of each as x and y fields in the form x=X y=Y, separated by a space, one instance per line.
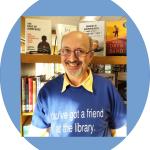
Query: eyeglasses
x=78 y=52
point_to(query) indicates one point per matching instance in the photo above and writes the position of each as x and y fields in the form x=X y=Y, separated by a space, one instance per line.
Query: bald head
x=78 y=37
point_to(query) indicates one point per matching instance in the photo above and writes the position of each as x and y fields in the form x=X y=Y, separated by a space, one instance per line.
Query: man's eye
x=79 y=51
x=67 y=50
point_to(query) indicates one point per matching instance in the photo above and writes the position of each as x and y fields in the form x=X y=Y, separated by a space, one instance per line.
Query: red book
x=34 y=93
x=30 y=83
x=23 y=96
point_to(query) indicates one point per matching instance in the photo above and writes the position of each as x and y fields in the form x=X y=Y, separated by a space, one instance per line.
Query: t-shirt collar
x=87 y=83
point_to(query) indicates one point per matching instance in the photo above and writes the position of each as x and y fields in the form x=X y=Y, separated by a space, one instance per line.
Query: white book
x=38 y=85
x=35 y=29
x=61 y=30
x=96 y=30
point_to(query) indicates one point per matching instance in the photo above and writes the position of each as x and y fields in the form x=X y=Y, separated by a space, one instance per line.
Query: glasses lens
x=80 y=52
x=77 y=52
x=65 y=52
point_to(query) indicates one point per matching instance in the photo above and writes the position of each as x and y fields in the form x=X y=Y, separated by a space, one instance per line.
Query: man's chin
x=76 y=74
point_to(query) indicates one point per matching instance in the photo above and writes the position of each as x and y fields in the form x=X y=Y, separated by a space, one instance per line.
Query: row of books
x=99 y=68
x=109 y=37
x=30 y=87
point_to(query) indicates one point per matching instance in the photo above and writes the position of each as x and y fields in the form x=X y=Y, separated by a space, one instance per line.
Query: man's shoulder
x=99 y=78
x=54 y=83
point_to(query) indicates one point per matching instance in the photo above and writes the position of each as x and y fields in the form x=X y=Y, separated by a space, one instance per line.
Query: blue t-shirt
x=78 y=112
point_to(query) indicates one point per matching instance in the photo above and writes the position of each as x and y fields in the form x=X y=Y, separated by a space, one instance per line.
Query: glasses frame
x=75 y=52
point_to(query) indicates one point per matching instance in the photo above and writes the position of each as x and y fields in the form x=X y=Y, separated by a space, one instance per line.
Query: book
x=116 y=38
x=108 y=68
x=97 y=68
x=61 y=30
x=26 y=95
x=38 y=84
x=54 y=43
x=95 y=30
x=37 y=35
x=34 y=93
x=119 y=68
x=23 y=96
x=30 y=84
x=22 y=45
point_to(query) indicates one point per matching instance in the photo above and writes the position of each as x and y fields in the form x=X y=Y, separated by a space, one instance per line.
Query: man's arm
x=120 y=132
x=38 y=132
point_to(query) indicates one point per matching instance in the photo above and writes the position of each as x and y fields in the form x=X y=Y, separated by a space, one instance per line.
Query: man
x=78 y=103
x=116 y=31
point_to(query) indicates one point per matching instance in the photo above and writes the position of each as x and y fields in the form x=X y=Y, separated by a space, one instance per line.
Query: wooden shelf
x=39 y=58
x=27 y=113
x=109 y=60
x=45 y=58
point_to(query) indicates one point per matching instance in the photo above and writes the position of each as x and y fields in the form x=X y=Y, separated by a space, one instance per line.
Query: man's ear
x=91 y=54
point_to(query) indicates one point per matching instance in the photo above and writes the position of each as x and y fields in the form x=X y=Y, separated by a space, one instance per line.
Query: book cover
x=37 y=35
x=116 y=38
x=62 y=29
x=96 y=30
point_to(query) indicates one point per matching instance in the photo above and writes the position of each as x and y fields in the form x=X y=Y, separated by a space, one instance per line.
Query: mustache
x=73 y=62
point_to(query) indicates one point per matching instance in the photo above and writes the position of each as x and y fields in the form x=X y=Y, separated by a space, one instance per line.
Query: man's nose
x=73 y=56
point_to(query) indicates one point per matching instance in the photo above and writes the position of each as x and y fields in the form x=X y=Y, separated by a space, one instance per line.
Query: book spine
x=38 y=84
x=23 y=98
x=30 y=81
x=26 y=96
x=34 y=93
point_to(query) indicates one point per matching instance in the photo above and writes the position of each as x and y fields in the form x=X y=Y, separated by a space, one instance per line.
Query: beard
x=74 y=68
x=77 y=73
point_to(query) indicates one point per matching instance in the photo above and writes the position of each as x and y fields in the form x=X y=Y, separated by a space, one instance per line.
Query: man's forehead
x=76 y=38
x=76 y=35
x=75 y=42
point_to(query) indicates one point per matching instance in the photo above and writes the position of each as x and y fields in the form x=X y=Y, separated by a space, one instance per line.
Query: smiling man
x=78 y=103
x=76 y=55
